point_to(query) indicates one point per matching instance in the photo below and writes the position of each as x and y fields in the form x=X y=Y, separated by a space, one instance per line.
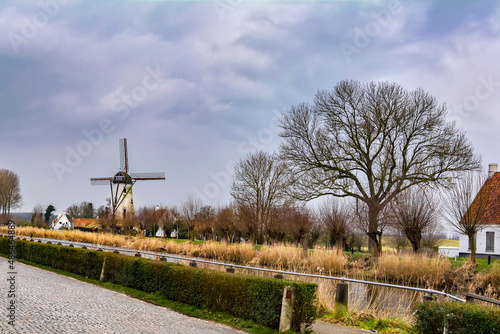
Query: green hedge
x=462 y=318
x=247 y=297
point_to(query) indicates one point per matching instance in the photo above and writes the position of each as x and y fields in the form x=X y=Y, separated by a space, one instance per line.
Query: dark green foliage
x=462 y=318
x=247 y=297
x=48 y=213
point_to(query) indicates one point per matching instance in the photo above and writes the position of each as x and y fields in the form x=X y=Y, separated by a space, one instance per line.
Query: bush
x=247 y=297
x=462 y=318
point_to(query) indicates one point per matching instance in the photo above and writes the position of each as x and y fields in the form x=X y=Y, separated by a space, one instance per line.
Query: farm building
x=488 y=238
x=62 y=222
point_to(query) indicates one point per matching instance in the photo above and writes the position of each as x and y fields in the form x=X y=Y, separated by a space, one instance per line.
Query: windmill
x=121 y=184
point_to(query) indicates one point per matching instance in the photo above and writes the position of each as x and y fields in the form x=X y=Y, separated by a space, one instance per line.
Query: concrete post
x=287 y=309
x=341 y=300
x=427 y=298
x=446 y=324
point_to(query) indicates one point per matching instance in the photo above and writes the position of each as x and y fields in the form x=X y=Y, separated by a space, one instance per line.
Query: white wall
x=448 y=251
x=481 y=240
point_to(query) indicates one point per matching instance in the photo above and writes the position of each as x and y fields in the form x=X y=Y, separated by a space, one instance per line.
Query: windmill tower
x=121 y=184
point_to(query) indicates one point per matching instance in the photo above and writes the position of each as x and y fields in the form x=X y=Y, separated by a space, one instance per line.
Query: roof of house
x=60 y=217
x=82 y=222
x=491 y=191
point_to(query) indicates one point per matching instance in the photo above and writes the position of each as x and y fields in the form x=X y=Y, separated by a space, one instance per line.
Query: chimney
x=493 y=168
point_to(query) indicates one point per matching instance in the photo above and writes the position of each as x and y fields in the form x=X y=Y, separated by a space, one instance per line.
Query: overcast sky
x=194 y=86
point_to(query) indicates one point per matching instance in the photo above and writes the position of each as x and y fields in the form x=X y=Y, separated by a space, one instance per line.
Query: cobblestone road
x=50 y=303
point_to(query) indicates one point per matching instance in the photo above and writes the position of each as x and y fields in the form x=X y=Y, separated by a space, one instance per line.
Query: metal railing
x=183 y=258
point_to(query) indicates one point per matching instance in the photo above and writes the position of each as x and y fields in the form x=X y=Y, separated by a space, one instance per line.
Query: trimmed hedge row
x=247 y=297
x=462 y=318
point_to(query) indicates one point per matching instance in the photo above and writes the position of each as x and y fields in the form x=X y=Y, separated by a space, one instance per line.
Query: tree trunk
x=415 y=239
x=339 y=242
x=374 y=236
x=472 y=244
x=305 y=244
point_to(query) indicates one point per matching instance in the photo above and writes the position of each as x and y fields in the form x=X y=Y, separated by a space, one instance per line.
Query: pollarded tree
x=189 y=209
x=466 y=206
x=371 y=142
x=260 y=184
x=335 y=218
x=414 y=213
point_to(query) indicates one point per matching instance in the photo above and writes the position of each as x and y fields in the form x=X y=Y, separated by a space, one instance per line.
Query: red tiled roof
x=491 y=189
x=82 y=222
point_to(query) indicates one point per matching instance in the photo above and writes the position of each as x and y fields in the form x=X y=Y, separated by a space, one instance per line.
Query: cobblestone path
x=50 y=303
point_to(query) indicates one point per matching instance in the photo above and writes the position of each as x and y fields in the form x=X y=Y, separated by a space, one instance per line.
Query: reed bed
x=413 y=269
x=487 y=284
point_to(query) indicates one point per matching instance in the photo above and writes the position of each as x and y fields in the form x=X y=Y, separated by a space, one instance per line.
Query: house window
x=490 y=241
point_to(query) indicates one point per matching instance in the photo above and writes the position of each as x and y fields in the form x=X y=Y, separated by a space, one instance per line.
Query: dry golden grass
x=327 y=262
x=413 y=269
x=280 y=257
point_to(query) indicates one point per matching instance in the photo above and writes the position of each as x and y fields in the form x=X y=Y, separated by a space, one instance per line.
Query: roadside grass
x=160 y=300
x=371 y=323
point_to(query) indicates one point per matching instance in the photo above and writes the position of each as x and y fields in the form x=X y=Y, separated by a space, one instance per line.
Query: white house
x=62 y=222
x=488 y=238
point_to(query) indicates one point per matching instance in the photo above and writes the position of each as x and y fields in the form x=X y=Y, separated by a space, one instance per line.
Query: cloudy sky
x=194 y=86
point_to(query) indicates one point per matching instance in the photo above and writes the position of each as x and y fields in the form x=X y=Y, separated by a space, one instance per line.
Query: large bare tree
x=260 y=184
x=371 y=142
x=10 y=192
x=466 y=206
x=413 y=213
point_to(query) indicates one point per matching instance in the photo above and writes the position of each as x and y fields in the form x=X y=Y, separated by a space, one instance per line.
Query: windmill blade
x=100 y=181
x=148 y=176
x=123 y=155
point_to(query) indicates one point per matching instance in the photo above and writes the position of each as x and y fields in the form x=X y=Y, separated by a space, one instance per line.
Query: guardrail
x=469 y=297
x=231 y=265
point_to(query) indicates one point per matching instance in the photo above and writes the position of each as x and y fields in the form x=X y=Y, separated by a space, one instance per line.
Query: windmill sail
x=100 y=181
x=123 y=155
x=148 y=176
